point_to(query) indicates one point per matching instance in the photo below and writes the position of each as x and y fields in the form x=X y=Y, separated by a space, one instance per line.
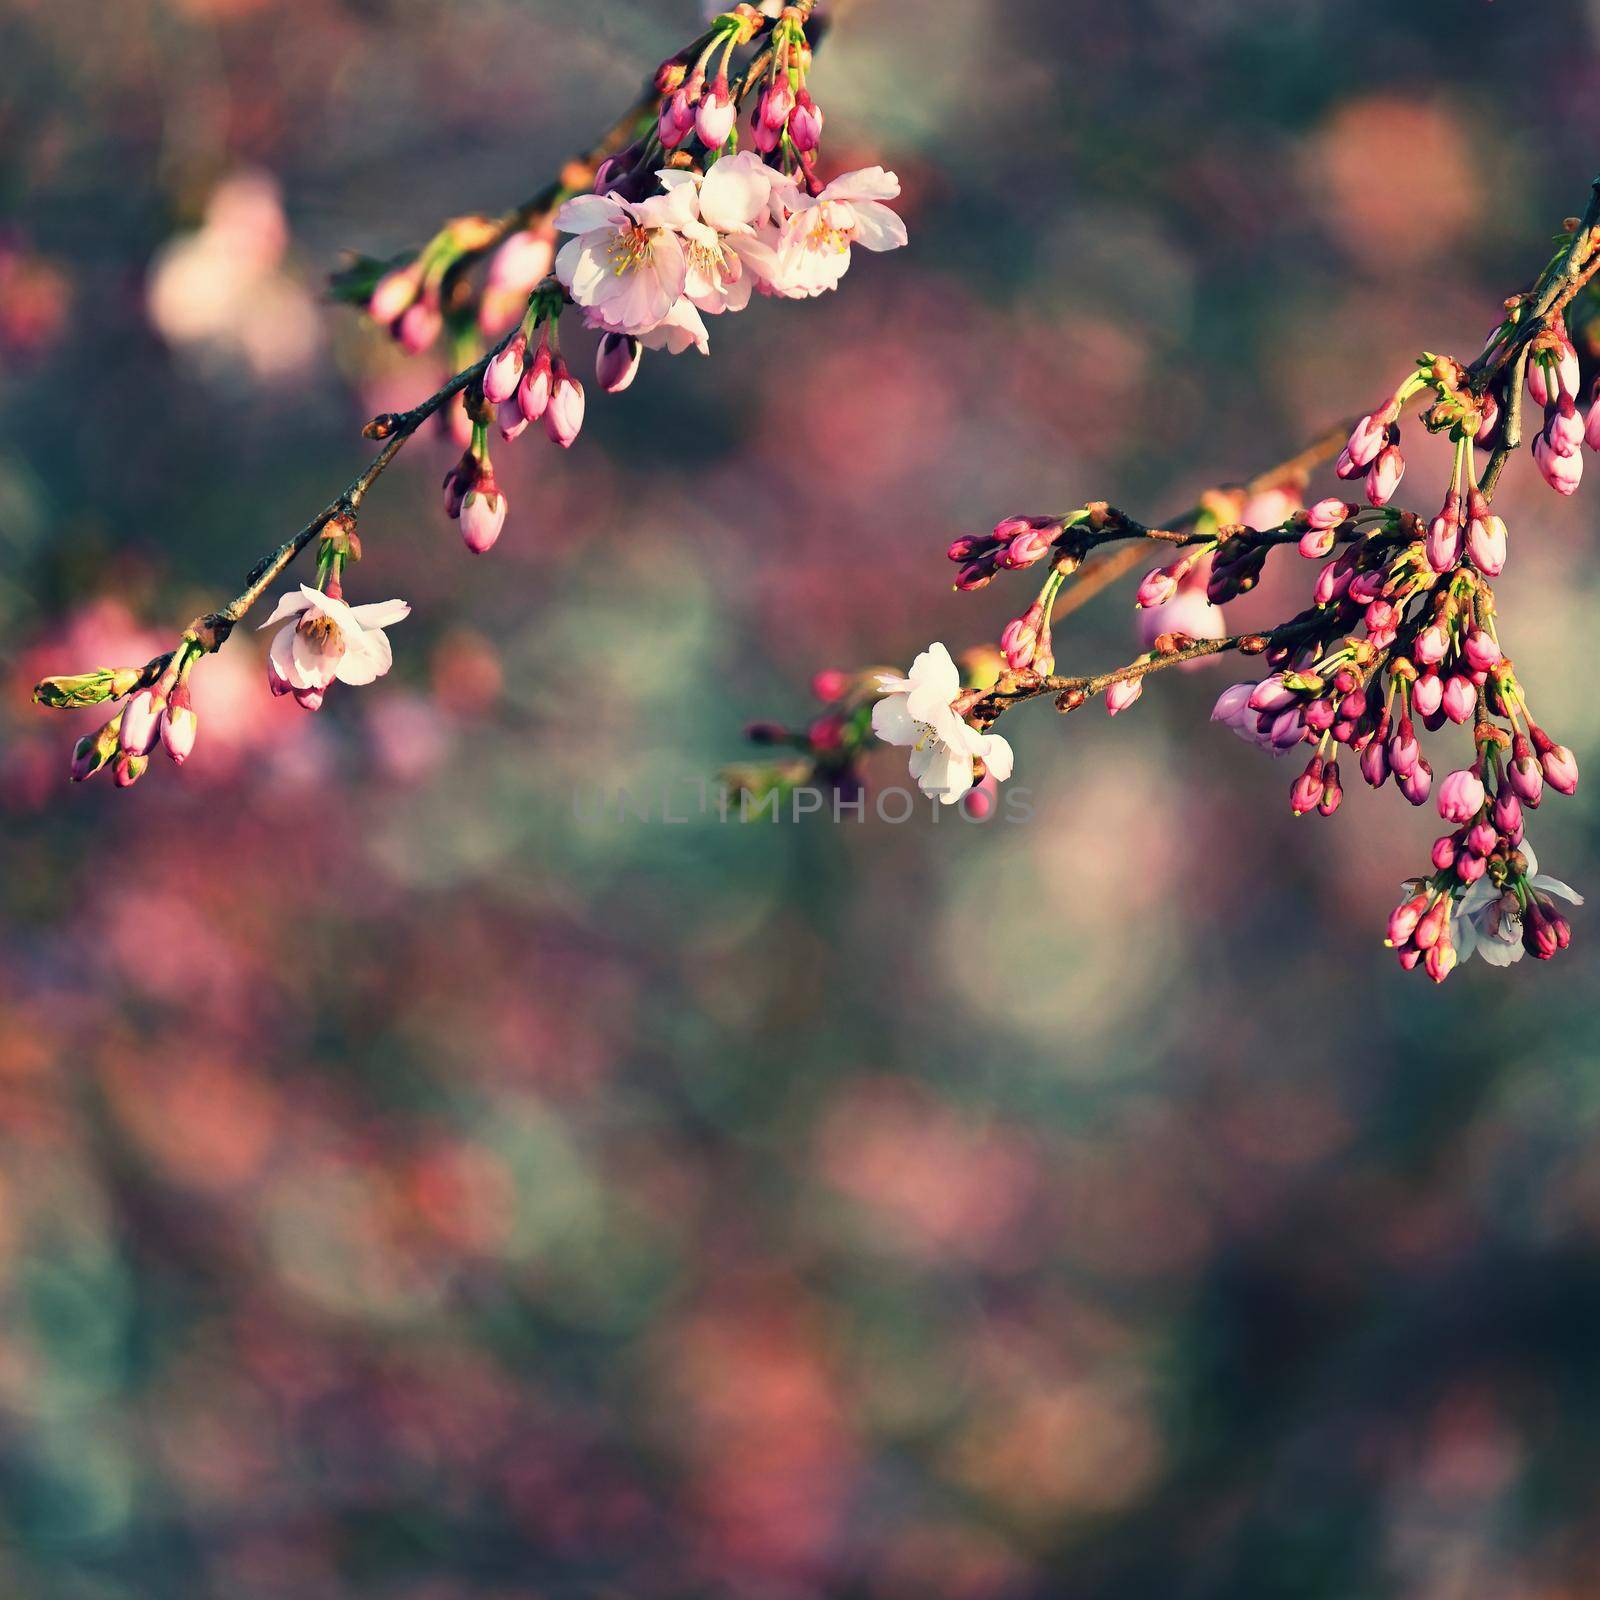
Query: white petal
x=893 y=722
x=1562 y=891
x=282 y=653
x=995 y=753
x=289 y=605
x=869 y=183
x=315 y=665
x=878 y=228
x=935 y=682
x=381 y=613
x=585 y=213
x=734 y=195
x=1499 y=953
x=942 y=772
x=368 y=657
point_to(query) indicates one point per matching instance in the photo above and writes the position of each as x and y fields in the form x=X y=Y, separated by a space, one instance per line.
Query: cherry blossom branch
x=1402 y=627
x=670 y=221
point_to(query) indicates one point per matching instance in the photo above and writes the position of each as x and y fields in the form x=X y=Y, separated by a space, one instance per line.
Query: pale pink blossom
x=322 y=639
x=627 y=265
x=812 y=246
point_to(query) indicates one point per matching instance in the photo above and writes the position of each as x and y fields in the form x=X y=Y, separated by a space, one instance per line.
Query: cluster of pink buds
x=1016 y=544
x=517 y=390
x=1400 y=638
x=1373 y=451
x=1553 y=382
x=156 y=712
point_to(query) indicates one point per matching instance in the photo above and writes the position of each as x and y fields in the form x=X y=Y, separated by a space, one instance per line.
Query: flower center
x=629 y=249
x=322 y=632
x=827 y=235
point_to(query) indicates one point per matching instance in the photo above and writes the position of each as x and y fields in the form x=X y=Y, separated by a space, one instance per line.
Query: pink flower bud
x=1565 y=427
x=1329 y=513
x=141 y=723
x=1559 y=765
x=714 y=118
x=1315 y=543
x=563 y=417
x=1157 y=588
x=179 y=726
x=1286 y=730
x=1332 y=582
x=1403 y=920
x=766 y=139
x=1562 y=471
x=830 y=684
x=508 y=415
x=1384 y=475
x=1332 y=791
x=85 y=758
x=533 y=393
x=1306 y=790
x=1426 y=693
x=1432 y=646
x=418 y=327
x=1404 y=751
x=1440 y=961
x=1525 y=775
x=1319 y=715
x=1489 y=420
x=394 y=293
x=1480 y=650
x=1032 y=545
x=1486 y=545
x=1272 y=694
x=805 y=126
x=1444 y=541
x=676 y=119
x=777 y=105
x=616 y=362
x=1482 y=837
x=1233 y=704
x=1461 y=796
x=483 y=515
x=1432 y=925
x=1416 y=784
x=1508 y=815
x=1459 y=700
x=1122 y=695
x=966 y=547
x=1444 y=852
x=1367 y=439
x=1545 y=931
x=504 y=372
x=128 y=770
x=1375 y=763
x=1018 y=641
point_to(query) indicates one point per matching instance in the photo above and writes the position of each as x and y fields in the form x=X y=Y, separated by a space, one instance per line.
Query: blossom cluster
x=1401 y=637
x=710 y=194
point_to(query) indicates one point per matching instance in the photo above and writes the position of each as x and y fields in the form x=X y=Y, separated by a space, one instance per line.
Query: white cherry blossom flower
x=1487 y=921
x=812 y=246
x=626 y=265
x=916 y=712
x=322 y=639
x=725 y=256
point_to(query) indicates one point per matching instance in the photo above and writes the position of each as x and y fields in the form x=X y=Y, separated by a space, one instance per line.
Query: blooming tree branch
x=707 y=190
x=1402 y=627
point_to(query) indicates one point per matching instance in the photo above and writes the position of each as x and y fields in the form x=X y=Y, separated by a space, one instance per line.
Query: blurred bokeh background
x=414 y=1186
